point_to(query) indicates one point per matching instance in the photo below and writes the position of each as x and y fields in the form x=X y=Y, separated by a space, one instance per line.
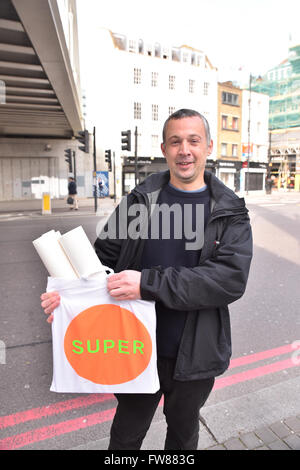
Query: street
x=265 y=337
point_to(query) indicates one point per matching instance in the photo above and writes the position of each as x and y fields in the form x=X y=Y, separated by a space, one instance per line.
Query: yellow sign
x=46 y=203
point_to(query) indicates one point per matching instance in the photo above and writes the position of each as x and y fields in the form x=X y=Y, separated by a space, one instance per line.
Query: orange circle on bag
x=108 y=345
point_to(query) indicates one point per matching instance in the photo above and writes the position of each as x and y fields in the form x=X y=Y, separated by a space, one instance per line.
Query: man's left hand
x=125 y=285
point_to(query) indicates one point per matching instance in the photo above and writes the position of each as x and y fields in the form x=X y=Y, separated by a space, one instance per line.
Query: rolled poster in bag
x=101 y=345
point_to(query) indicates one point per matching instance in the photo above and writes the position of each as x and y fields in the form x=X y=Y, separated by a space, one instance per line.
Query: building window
x=234 y=150
x=185 y=57
x=235 y=123
x=224 y=122
x=141 y=46
x=157 y=50
x=230 y=98
x=224 y=150
x=137 y=76
x=155 y=112
x=171 y=82
x=154 y=141
x=171 y=110
x=205 y=88
x=137 y=110
x=132 y=45
x=192 y=86
x=154 y=79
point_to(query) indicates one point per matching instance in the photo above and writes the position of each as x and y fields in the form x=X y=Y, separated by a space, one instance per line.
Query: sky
x=235 y=34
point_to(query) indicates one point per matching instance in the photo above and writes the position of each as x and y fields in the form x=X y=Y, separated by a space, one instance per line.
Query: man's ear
x=162 y=146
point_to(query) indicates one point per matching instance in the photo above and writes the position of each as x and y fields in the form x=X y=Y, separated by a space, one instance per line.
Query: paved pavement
x=221 y=429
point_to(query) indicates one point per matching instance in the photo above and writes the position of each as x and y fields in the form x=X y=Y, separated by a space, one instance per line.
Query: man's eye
x=175 y=142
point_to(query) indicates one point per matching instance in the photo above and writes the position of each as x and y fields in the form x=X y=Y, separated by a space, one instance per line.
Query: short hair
x=183 y=113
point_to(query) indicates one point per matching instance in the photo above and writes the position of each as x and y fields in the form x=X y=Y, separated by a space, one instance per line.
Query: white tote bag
x=101 y=345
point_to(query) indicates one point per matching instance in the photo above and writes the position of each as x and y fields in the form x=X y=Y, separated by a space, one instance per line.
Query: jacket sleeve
x=218 y=281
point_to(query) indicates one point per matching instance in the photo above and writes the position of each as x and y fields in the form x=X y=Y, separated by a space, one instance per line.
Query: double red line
x=64 y=427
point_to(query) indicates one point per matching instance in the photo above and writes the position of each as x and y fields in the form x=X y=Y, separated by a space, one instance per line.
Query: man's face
x=186 y=149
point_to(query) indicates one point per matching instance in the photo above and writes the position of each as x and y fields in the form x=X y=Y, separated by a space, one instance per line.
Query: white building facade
x=257 y=112
x=142 y=85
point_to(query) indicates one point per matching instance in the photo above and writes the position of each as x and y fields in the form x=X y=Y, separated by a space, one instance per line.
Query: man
x=191 y=284
x=72 y=190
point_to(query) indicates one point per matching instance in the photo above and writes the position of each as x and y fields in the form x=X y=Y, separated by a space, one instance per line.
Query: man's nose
x=184 y=147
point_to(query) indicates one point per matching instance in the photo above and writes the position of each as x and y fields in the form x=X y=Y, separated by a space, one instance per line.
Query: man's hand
x=50 y=301
x=125 y=285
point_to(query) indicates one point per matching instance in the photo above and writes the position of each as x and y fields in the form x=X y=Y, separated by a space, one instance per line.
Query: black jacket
x=205 y=290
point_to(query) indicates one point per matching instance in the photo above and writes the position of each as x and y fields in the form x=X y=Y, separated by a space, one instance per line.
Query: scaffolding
x=284 y=120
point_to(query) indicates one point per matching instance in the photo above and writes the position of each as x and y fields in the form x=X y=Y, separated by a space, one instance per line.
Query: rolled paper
x=81 y=253
x=53 y=256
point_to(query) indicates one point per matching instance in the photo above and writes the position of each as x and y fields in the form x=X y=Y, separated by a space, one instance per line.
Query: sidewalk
x=281 y=435
x=59 y=207
x=107 y=204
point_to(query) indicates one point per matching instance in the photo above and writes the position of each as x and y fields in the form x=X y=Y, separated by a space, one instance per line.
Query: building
x=141 y=84
x=229 y=147
x=255 y=140
x=282 y=85
x=40 y=99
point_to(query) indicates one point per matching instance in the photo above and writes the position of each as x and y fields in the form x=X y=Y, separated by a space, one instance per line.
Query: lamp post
x=249 y=134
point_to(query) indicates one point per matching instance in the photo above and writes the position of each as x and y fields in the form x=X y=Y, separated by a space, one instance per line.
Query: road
x=265 y=336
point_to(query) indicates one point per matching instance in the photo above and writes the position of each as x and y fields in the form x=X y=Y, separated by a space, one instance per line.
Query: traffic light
x=126 y=140
x=68 y=159
x=108 y=158
x=84 y=139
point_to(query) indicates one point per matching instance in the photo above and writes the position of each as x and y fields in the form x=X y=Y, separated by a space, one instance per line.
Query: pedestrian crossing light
x=126 y=140
x=83 y=138
x=68 y=159
x=108 y=159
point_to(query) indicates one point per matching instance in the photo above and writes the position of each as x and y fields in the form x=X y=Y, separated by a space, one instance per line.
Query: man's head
x=183 y=113
x=186 y=144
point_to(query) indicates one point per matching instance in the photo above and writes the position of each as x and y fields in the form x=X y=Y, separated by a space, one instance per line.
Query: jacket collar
x=223 y=198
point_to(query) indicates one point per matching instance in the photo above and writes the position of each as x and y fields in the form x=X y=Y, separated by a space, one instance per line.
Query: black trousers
x=182 y=403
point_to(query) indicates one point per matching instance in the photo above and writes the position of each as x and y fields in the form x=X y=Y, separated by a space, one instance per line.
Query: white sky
x=253 y=34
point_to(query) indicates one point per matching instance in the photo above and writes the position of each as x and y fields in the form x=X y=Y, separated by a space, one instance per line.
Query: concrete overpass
x=39 y=70
x=40 y=100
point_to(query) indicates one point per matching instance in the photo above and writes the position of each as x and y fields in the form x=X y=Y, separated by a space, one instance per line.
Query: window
x=137 y=76
x=155 y=112
x=171 y=82
x=154 y=141
x=154 y=78
x=224 y=150
x=192 y=86
x=235 y=123
x=137 y=110
x=234 y=150
x=157 y=50
x=230 y=98
x=141 y=46
x=132 y=45
x=205 y=88
x=224 y=122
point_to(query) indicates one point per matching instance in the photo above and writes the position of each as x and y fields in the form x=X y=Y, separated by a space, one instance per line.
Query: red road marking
x=253 y=373
x=47 y=432
x=55 y=408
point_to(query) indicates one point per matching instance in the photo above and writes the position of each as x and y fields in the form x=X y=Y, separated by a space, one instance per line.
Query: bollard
x=46 y=209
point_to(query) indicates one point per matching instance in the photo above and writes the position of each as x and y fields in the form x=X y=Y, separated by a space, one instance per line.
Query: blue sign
x=102 y=183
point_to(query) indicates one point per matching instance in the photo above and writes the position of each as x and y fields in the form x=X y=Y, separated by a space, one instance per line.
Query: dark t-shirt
x=167 y=246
